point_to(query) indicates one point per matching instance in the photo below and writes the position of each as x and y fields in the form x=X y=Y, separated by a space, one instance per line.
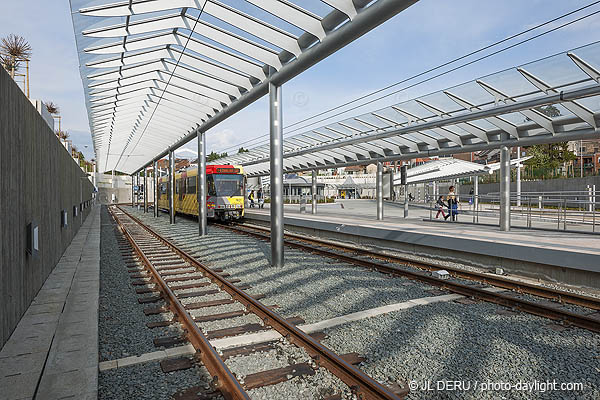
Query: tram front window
x=225 y=185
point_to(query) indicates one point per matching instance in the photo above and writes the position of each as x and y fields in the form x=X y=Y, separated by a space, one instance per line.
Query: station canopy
x=550 y=100
x=450 y=168
x=156 y=72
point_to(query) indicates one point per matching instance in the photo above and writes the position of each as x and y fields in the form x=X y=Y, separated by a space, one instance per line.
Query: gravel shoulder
x=122 y=330
x=147 y=381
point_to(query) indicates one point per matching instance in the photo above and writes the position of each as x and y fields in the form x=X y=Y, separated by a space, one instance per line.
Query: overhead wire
x=166 y=86
x=431 y=70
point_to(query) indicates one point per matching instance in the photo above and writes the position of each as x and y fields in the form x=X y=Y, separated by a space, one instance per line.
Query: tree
x=551 y=155
x=243 y=150
x=13 y=50
x=549 y=110
x=215 y=156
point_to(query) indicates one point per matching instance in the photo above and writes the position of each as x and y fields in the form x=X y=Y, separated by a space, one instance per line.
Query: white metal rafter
x=156 y=72
x=550 y=100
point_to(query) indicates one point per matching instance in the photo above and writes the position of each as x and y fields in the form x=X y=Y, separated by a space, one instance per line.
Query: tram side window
x=210 y=182
x=177 y=183
x=191 y=185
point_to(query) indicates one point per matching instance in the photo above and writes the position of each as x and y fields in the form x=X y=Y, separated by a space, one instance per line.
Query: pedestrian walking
x=251 y=198
x=440 y=205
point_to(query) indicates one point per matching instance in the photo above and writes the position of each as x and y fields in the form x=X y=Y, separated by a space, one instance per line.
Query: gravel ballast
x=473 y=343
x=308 y=286
x=122 y=330
x=476 y=344
x=147 y=381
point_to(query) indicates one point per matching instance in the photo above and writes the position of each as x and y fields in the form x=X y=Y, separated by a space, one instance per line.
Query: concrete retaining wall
x=550 y=185
x=38 y=179
x=115 y=189
x=547 y=264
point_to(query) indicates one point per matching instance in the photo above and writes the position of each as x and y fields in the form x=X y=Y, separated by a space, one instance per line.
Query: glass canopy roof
x=553 y=99
x=156 y=71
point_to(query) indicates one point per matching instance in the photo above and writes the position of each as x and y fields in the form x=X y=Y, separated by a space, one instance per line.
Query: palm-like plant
x=62 y=135
x=13 y=50
x=52 y=108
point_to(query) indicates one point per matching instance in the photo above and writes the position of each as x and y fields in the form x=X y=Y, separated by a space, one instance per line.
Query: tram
x=225 y=186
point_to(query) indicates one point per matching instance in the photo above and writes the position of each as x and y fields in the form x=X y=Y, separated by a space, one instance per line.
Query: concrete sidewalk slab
x=53 y=351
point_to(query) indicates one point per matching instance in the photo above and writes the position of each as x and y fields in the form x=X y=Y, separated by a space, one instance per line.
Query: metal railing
x=565 y=211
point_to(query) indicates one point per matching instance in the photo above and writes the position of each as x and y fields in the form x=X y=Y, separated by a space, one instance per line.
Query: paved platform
x=53 y=351
x=564 y=257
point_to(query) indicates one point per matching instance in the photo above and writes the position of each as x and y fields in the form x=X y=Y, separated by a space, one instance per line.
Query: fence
x=576 y=211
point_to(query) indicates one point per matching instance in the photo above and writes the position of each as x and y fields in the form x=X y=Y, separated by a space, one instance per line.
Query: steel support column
x=476 y=199
x=138 y=181
x=405 y=201
x=155 y=180
x=314 y=191
x=146 y=189
x=379 y=191
x=132 y=188
x=518 y=177
x=276 y=162
x=202 y=212
x=504 y=188
x=171 y=187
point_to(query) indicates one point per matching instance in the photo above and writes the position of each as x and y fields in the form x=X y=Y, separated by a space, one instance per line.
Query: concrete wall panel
x=38 y=179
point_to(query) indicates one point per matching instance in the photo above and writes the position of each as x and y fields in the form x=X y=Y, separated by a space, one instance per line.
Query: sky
x=423 y=36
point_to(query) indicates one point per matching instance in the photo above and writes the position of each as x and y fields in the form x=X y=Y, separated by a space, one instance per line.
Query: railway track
x=163 y=272
x=514 y=297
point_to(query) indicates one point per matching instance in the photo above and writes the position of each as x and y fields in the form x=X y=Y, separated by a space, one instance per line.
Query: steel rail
x=360 y=383
x=499 y=281
x=582 y=321
x=223 y=378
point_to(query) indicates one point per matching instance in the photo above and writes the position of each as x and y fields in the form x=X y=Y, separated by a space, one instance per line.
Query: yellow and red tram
x=225 y=185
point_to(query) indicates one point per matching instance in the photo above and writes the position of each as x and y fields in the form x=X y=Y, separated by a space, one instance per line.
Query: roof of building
x=450 y=168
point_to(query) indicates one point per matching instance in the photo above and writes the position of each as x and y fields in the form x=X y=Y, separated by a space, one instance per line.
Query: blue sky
x=425 y=35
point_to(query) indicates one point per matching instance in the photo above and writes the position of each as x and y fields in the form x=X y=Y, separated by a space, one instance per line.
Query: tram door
x=181 y=188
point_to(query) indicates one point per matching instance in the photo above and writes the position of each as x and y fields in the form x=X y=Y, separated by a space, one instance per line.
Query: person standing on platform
x=251 y=198
x=452 y=204
x=260 y=197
